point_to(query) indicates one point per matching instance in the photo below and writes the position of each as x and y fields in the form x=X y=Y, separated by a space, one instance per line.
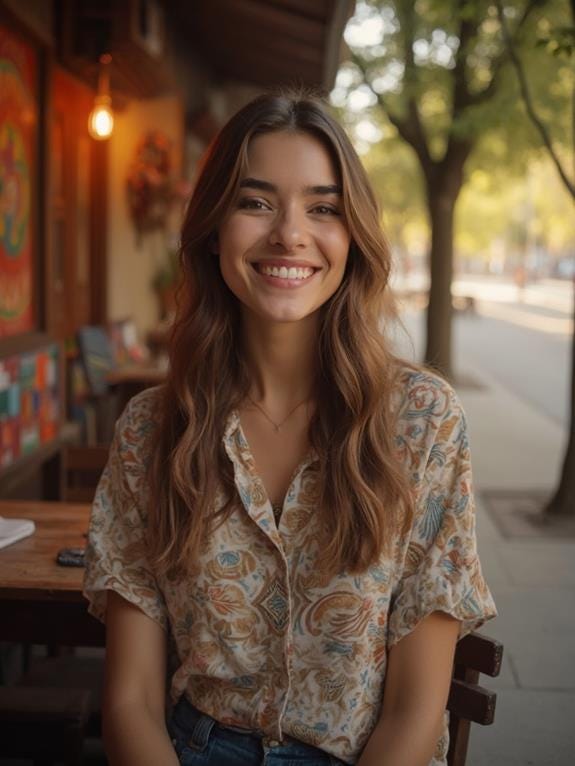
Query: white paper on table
x=12 y=530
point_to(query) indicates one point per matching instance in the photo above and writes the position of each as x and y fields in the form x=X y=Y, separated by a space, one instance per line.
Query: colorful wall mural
x=18 y=141
x=29 y=402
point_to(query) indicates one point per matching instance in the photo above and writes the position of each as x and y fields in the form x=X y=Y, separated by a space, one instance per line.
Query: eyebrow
x=256 y=183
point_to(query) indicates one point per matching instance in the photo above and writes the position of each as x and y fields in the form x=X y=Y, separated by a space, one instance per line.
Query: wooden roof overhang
x=267 y=42
x=261 y=43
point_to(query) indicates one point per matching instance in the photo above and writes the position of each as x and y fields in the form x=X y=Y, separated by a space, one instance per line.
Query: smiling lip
x=287 y=262
x=284 y=282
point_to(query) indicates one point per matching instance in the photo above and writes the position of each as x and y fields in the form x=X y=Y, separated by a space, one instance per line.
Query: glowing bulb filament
x=101 y=121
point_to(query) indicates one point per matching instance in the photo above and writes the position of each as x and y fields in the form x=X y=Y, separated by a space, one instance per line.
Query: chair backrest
x=468 y=701
x=81 y=468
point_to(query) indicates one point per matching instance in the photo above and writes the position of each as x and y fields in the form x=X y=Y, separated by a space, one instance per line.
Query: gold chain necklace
x=277 y=426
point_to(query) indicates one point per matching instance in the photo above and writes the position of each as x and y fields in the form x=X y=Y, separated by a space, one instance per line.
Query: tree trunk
x=441 y=207
x=563 y=501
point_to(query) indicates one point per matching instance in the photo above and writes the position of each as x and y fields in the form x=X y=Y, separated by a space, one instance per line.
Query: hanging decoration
x=150 y=187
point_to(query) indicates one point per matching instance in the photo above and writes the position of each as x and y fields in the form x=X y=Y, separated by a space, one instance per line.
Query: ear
x=214 y=244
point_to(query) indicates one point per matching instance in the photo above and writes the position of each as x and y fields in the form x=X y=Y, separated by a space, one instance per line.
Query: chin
x=285 y=315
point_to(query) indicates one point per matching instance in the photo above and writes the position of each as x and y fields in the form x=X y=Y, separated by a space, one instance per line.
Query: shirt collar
x=234 y=436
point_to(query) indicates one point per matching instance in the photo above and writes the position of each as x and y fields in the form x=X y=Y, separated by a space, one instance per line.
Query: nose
x=289 y=229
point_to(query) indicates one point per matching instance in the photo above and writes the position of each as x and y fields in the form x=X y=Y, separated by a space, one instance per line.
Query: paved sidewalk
x=514 y=447
x=533 y=582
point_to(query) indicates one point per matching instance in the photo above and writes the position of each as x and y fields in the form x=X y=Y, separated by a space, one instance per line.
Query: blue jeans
x=199 y=740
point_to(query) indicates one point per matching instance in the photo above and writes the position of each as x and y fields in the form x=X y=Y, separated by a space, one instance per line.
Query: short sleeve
x=441 y=568
x=116 y=557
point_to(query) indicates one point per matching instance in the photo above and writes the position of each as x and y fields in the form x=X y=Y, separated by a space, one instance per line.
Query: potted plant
x=165 y=283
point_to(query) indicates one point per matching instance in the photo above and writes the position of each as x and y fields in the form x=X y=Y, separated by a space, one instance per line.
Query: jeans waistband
x=187 y=715
x=189 y=727
x=196 y=724
x=199 y=727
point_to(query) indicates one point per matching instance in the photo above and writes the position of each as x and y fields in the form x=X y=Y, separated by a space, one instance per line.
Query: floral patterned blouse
x=262 y=639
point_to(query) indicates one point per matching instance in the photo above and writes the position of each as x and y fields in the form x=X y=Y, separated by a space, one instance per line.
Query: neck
x=281 y=359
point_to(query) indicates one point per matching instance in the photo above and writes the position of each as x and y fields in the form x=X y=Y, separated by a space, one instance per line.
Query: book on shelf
x=12 y=530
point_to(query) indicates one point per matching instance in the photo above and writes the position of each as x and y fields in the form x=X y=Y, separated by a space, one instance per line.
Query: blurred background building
x=90 y=223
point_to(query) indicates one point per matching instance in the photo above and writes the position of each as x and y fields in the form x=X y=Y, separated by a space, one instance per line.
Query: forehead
x=297 y=158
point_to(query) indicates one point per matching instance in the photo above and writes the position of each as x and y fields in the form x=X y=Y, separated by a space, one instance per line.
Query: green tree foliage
x=393 y=171
x=560 y=43
x=499 y=209
x=436 y=73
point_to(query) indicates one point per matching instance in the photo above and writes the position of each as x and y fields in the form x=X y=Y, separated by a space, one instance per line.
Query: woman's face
x=283 y=245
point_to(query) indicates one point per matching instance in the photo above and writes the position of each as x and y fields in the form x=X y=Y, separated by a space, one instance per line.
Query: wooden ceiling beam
x=267 y=41
x=267 y=73
x=311 y=9
x=227 y=14
x=241 y=41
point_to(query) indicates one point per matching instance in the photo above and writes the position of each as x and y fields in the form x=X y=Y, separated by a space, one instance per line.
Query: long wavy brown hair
x=364 y=497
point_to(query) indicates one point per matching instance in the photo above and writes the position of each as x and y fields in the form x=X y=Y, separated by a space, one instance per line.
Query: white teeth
x=284 y=273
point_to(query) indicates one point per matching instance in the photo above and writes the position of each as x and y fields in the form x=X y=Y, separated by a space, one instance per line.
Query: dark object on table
x=71 y=557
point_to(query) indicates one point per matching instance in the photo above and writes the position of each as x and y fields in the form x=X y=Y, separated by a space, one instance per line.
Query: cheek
x=230 y=249
x=229 y=239
x=234 y=242
x=338 y=248
x=236 y=238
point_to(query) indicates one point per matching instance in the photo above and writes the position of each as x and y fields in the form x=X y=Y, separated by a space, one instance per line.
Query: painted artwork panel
x=18 y=140
x=29 y=403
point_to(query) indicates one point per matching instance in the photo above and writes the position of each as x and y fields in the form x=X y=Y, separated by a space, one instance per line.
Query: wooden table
x=136 y=374
x=40 y=601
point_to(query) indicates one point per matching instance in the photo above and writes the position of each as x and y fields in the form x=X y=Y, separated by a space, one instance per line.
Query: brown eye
x=252 y=203
x=325 y=210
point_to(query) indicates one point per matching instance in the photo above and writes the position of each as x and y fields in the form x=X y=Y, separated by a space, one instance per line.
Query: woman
x=287 y=523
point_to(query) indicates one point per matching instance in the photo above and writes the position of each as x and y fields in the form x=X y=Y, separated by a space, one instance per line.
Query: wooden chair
x=46 y=725
x=468 y=701
x=67 y=675
x=80 y=471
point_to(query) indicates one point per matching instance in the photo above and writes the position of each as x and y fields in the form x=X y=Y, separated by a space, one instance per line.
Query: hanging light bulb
x=101 y=119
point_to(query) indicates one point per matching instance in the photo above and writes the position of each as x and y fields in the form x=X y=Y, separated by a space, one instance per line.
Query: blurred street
x=512 y=359
x=522 y=338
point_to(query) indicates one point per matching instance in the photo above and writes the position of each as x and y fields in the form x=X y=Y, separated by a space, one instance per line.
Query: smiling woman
x=292 y=511
x=284 y=243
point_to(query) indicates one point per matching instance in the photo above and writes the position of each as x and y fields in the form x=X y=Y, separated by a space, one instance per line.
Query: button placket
x=270 y=743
